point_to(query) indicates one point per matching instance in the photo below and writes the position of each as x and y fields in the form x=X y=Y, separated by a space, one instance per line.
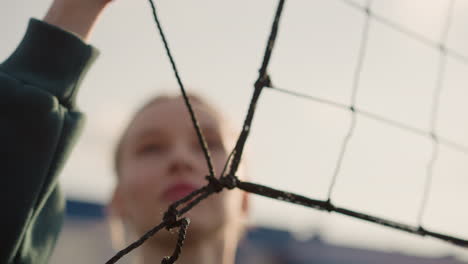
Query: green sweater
x=39 y=124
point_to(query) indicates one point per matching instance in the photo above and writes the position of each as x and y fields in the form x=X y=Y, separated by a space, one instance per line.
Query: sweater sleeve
x=39 y=123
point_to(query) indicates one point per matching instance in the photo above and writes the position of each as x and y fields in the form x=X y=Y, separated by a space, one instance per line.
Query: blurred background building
x=86 y=239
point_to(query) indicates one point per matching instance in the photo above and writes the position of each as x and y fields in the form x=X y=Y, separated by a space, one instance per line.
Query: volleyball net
x=174 y=216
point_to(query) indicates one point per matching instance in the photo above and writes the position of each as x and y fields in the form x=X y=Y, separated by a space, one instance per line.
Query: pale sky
x=294 y=145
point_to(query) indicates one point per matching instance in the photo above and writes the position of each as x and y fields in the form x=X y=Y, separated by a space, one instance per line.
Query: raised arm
x=77 y=16
x=38 y=124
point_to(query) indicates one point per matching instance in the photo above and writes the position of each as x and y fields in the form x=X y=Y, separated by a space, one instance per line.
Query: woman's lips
x=178 y=191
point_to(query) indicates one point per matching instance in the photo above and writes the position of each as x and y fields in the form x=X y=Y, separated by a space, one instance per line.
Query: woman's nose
x=182 y=160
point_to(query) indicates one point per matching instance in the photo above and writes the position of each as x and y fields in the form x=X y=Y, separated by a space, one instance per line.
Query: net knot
x=263 y=81
x=442 y=48
x=329 y=206
x=422 y=231
x=214 y=184
x=217 y=185
x=368 y=11
x=170 y=217
x=229 y=181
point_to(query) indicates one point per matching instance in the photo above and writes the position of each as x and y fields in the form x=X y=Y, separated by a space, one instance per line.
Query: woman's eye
x=150 y=148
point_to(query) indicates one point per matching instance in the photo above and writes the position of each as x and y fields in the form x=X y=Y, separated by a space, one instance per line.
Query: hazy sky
x=218 y=46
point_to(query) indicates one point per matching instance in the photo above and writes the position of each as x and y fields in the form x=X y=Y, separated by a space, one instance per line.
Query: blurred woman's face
x=162 y=161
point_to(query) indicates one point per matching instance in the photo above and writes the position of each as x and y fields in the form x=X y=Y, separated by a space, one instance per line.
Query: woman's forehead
x=167 y=114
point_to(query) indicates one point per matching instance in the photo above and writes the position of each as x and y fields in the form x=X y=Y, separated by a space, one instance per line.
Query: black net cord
x=434 y=111
x=355 y=87
x=193 y=117
x=182 y=224
x=289 y=197
x=171 y=217
x=262 y=81
x=214 y=185
x=328 y=206
x=457 y=55
x=447 y=142
x=136 y=244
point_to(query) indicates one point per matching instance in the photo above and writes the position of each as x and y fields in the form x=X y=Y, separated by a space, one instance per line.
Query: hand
x=76 y=16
